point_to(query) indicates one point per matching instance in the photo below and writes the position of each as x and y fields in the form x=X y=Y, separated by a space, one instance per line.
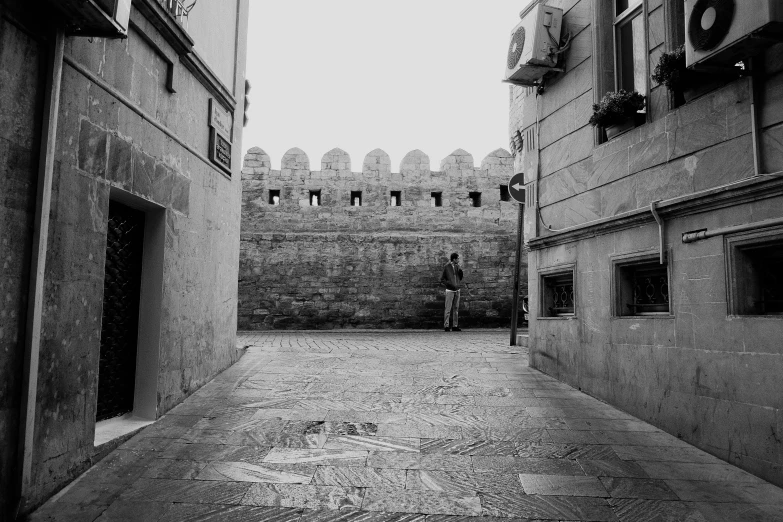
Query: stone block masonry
x=129 y=126
x=357 y=259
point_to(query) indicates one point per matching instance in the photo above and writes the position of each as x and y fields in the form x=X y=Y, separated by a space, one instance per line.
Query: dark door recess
x=119 y=326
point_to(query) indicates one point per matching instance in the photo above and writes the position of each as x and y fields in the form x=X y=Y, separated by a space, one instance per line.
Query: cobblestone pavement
x=402 y=426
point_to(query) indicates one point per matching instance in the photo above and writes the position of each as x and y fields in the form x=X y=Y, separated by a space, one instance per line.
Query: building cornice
x=167 y=26
x=207 y=77
x=743 y=191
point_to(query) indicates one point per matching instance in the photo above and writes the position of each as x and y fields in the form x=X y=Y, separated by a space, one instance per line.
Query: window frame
x=475 y=199
x=437 y=197
x=735 y=246
x=605 y=75
x=272 y=194
x=317 y=194
x=355 y=194
x=636 y=8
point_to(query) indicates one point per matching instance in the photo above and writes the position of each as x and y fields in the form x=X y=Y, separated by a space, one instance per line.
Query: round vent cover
x=710 y=23
x=515 y=47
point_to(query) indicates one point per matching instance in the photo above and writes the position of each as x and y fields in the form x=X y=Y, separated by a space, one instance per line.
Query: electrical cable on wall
x=556 y=54
x=538 y=172
x=559 y=48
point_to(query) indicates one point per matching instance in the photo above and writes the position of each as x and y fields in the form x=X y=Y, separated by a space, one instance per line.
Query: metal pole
x=690 y=237
x=515 y=300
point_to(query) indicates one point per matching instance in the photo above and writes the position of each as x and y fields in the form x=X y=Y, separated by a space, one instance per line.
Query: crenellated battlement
x=376 y=163
x=342 y=247
x=457 y=182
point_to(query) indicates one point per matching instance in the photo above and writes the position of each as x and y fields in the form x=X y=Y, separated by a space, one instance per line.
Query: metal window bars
x=562 y=299
x=650 y=290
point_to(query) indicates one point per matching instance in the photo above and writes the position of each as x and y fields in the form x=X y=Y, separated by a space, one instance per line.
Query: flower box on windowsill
x=616 y=129
x=618 y=112
x=619 y=128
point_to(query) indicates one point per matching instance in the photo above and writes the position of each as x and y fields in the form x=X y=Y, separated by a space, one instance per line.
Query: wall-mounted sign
x=516 y=187
x=220 y=136
x=220 y=119
x=220 y=151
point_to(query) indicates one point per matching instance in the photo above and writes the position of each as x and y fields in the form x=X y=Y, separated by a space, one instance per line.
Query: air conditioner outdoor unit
x=531 y=51
x=103 y=18
x=720 y=33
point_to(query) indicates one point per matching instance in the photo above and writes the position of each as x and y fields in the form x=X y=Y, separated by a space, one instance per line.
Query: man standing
x=451 y=279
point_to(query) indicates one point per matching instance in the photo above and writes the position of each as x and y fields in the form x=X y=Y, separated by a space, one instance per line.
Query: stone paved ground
x=403 y=426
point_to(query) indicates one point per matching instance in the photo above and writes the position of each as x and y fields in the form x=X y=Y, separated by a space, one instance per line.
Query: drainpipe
x=537 y=210
x=37 y=269
x=754 y=124
x=659 y=220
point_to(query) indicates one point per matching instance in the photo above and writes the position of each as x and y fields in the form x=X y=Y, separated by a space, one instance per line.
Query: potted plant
x=684 y=83
x=670 y=70
x=617 y=112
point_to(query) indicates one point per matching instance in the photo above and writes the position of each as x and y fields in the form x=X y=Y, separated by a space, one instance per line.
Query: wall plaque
x=220 y=151
x=220 y=119
x=220 y=136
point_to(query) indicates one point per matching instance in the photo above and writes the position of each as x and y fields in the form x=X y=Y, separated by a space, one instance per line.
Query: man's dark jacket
x=452 y=277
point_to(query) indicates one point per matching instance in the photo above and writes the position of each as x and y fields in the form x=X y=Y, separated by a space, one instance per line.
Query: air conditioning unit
x=720 y=33
x=103 y=18
x=534 y=41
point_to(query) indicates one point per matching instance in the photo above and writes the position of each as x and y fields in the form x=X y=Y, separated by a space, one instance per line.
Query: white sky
x=365 y=74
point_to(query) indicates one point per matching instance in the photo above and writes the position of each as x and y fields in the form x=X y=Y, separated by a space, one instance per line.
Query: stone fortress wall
x=375 y=265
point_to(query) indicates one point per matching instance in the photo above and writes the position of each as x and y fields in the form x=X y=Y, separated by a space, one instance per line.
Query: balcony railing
x=178 y=9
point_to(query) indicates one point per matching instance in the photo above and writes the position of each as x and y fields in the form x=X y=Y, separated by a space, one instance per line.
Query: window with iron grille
x=755 y=265
x=642 y=287
x=557 y=294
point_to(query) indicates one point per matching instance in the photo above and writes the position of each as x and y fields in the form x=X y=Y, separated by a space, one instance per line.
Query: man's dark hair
x=454 y=256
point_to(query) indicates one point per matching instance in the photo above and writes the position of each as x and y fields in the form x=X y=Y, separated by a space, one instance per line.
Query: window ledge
x=768 y=316
x=648 y=316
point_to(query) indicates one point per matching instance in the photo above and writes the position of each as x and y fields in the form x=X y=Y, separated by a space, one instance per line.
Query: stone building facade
x=666 y=325
x=369 y=253
x=105 y=124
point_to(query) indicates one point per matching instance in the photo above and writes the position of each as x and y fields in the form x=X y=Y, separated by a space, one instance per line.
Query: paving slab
x=403 y=426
